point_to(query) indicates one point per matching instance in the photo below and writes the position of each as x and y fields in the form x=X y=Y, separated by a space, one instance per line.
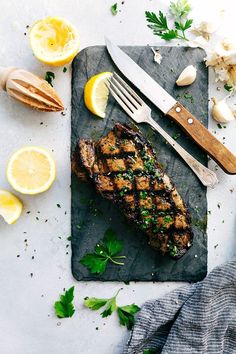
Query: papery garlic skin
x=223 y=60
x=232 y=75
x=207 y=27
x=187 y=77
x=208 y=23
x=230 y=59
x=198 y=42
x=221 y=111
x=157 y=58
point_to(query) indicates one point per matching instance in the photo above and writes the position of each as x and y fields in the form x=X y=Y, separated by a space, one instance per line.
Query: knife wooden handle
x=201 y=135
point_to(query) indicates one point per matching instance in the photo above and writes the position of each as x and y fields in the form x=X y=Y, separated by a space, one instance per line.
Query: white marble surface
x=27 y=321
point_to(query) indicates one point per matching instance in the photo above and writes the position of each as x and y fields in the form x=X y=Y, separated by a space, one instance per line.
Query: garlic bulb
x=221 y=111
x=187 y=77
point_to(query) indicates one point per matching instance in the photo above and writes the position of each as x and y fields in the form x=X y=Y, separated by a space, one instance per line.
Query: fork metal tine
x=126 y=92
x=134 y=94
x=121 y=103
x=122 y=96
x=142 y=114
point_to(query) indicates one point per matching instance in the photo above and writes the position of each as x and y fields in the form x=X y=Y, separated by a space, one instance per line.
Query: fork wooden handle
x=201 y=135
x=206 y=176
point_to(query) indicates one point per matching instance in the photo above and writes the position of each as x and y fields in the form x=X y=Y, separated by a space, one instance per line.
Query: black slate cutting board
x=92 y=215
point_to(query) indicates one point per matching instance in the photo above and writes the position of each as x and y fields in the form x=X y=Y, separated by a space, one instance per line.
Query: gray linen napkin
x=198 y=318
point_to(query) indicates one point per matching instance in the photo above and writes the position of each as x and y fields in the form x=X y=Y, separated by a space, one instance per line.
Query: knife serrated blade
x=173 y=109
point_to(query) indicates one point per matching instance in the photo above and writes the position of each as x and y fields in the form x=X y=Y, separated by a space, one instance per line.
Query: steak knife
x=173 y=109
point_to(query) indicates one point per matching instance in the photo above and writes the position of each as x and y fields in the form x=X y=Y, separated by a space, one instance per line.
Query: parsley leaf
x=110 y=307
x=159 y=24
x=180 y=8
x=49 y=76
x=106 y=250
x=183 y=26
x=114 y=9
x=95 y=263
x=94 y=304
x=64 y=307
x=149 y=351
x=126 y=315
x=171 y=34
x=113 y=245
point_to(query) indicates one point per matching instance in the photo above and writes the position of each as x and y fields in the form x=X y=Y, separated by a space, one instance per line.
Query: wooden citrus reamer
x=29 y=89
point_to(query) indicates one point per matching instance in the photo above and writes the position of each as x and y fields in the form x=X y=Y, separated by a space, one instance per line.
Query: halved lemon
x=96 y=94
x=54 y=41
x=31 y=170
x=10 y=207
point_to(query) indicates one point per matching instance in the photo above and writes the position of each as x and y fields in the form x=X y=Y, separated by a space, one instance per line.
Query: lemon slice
x=10 y=207
x=96 y=94
x=54 y=41
x=31 y=170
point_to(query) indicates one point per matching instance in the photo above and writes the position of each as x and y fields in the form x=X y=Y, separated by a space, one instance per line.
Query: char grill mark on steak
x=124 y=169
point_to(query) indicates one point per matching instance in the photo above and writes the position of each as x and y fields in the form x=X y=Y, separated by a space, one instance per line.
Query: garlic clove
x=188 y=76
x=221 y=111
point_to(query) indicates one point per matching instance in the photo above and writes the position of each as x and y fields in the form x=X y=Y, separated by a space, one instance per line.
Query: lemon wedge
x=10 y=207
x=96 y=94
x=54 y=41
x=31 y=170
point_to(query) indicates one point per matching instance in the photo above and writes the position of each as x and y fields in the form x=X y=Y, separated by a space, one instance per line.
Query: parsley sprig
x=125 y=313
x=159 y=24
x=64 y=307
x=105 y=251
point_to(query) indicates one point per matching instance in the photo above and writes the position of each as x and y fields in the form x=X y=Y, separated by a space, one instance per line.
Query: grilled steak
x=124 y=169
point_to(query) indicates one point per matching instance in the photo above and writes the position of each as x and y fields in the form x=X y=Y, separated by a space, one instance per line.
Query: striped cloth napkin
x=196 y=319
